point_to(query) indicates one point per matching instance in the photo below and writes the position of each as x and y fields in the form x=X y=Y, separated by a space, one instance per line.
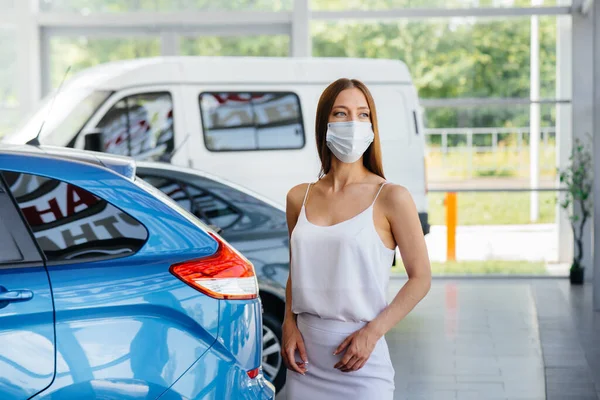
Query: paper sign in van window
x=243 y=121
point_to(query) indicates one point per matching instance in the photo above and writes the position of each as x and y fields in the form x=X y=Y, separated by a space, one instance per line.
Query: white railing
x=469 y=146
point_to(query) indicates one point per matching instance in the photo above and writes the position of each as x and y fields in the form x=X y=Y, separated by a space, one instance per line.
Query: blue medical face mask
x=349 y=140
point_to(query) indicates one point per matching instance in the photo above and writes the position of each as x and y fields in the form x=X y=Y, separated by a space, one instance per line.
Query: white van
x=249 y=120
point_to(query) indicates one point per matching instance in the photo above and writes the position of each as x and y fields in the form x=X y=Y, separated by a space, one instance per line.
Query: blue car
x=253 y=225
x=110 y=290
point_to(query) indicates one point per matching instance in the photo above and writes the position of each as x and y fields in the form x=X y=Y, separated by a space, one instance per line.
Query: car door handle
x=16 y=295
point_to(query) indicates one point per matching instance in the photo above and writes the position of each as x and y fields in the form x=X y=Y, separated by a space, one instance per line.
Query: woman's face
x=350 y=105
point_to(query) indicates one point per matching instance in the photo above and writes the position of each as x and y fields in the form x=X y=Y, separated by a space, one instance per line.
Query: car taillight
x=227 y=274
x=253 y=373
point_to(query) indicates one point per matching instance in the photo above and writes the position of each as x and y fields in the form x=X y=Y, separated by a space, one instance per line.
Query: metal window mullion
x=159 y=20
x=300 y=38
x=470 y=147
x=106 y=32
x=169 y=44
x=433 y=131
x=126 y=99
x=486 y=101
x=230 y=31
x=440 y=12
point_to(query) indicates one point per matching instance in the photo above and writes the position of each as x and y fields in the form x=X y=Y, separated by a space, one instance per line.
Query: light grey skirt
x=375 y=380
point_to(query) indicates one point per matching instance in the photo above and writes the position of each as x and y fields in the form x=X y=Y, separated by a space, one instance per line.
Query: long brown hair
x=372 y=156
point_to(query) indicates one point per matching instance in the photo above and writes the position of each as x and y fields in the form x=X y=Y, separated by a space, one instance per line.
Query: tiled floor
x=570 y=338
x=498 y=339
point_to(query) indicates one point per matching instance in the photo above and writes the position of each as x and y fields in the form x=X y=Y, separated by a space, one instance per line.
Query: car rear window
x=70 y=223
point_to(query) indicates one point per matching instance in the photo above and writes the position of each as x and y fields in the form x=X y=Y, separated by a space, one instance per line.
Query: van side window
x=140 y=125
x=238 y=121
x=70 y=223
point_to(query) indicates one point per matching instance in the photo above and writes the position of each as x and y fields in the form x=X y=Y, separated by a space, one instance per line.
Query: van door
x=27 y=344
x=139 y=122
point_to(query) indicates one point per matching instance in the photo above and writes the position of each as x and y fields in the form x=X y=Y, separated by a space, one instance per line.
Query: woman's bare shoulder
x=396 y=196
x=295 y=195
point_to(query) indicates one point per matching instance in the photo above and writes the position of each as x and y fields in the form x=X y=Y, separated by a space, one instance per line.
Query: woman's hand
x=292 y=341
x=359 y=347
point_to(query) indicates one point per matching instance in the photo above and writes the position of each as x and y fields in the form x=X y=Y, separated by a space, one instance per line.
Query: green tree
x=81 y=52
x=272 y=46
x=453 y=58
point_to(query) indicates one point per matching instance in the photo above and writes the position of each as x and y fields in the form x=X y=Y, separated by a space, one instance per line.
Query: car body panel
x=200 y=382
x=126 y=327
x=151 y=326
x=255 y=226
x=243 y=333
x=260 y=233
x=27 y=341
x=26 y=335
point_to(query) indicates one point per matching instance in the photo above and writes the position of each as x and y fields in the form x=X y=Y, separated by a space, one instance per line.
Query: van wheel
x=272 y=361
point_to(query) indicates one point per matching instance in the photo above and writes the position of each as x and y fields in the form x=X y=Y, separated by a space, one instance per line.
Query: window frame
x=48 y=262
x=252 y=92
x=32 y=254
x=125 y=98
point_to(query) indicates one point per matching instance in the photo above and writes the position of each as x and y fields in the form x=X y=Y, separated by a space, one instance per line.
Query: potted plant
x=577 y=179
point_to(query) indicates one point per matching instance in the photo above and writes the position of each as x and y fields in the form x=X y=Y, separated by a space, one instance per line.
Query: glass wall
x=82 y=52
x=449 y=58
x=116 y=6
x=254 y=45
x=491 y=151
x=471 y=147
x=398 y=4
x=9 y=102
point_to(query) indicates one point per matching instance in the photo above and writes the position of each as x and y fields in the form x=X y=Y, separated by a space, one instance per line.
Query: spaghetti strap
x=379 y=191
x=306 y=195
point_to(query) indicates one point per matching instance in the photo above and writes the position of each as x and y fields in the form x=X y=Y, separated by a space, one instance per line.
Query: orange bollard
x=451 y=214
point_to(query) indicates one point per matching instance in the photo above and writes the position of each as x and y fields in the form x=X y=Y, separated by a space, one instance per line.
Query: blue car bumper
x=217 y=376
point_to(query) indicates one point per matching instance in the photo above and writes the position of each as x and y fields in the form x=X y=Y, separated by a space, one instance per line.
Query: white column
x=595 y=15
x=169 y=43
x=300 y=32
x=28 y=56
x=534 y=117
x=564 y=76
x=582 y=102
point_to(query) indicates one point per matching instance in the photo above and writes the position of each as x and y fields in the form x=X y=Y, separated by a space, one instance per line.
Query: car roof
x=165 y=168
x=123 y=166
x=321 y=71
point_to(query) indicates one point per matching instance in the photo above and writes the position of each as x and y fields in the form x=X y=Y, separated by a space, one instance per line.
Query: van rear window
x=245 y=121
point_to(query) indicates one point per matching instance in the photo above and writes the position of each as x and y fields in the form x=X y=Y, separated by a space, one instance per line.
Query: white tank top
x=339 y=271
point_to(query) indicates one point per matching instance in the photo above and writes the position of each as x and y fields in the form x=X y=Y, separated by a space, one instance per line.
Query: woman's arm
x=403 y=217
x=292 y=338
x=293 y=204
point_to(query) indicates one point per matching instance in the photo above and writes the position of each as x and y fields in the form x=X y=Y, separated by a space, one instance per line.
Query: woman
x=343 y=233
